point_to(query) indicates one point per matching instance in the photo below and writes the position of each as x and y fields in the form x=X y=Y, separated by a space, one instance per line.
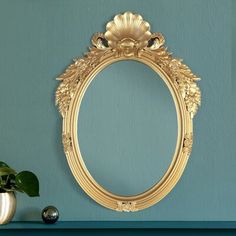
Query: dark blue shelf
x=123 y=224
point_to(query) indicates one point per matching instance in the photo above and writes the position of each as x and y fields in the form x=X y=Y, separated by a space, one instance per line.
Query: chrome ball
x=50 y=215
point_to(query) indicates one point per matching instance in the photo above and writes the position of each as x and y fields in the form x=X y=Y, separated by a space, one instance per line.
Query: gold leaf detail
x=186 y=82
x=188 y=143
x=162 y=57
x=67 y=142
x=70 y=78
x=73 y=75
x=98 y=41
x=183 y=78
x=126 y=206
x=157 y=40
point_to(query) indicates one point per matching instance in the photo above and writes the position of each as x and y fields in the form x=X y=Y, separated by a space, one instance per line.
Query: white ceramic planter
x=7 y=207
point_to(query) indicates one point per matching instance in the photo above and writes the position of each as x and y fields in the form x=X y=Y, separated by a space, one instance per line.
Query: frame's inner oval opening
x=127 y=128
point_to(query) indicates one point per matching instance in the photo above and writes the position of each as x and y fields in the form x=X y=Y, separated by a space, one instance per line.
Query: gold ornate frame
x=128 y=37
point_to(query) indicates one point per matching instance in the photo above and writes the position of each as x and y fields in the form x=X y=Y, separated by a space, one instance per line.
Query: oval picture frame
x=128 y=37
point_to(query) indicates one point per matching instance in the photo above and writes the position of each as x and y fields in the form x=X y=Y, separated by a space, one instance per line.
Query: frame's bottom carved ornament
x=126 y=206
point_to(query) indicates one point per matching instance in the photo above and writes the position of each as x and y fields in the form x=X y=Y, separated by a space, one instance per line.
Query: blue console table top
x=122 y=224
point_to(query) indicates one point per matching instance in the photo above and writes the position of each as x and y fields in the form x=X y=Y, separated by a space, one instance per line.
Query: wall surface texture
x=39 y=38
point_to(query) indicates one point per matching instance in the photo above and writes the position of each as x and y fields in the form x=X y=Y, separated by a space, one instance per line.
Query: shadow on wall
x=30 y=214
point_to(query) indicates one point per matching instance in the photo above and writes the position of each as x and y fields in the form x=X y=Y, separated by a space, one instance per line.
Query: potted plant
x=10 y=182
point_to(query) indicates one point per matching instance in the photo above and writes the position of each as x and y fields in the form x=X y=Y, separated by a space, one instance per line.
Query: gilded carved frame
x=128 y=37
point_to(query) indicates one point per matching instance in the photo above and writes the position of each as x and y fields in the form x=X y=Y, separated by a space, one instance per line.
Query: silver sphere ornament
x=50 y=215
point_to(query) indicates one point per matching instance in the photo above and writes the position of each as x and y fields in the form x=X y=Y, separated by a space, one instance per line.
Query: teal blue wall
x=127 y=128
x=39 y=38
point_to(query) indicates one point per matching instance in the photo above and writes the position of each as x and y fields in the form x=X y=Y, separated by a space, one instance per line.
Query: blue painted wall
x=127 y=128
x=37 y=40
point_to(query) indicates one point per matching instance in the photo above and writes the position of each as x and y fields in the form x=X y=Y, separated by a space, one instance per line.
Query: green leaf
x=2 y=190
x=3 y=164
x=27 y=182
x=6 y=171
x=10 y=182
